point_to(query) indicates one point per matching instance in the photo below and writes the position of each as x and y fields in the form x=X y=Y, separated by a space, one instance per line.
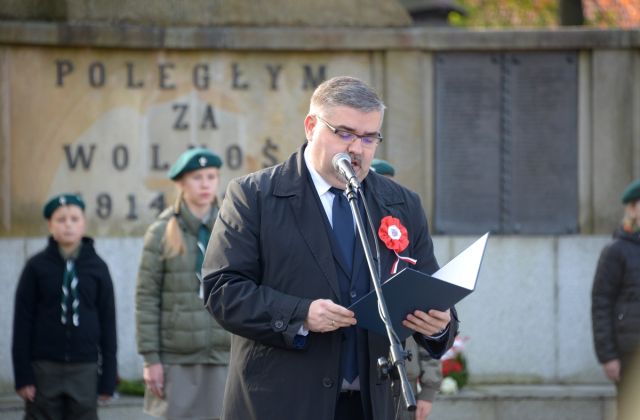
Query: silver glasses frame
x=348 y=136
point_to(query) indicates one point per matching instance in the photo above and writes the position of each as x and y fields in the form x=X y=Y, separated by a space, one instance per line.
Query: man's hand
x=103 y=399
x=154 y=379
x=612 y=370
x=423 y=409
x=428 y=324
x=325 y=316
x=27 y=392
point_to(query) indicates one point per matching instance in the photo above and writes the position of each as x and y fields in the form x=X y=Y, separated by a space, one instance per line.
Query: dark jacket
x=271 y=260
x=615 y=308
x=38 y=333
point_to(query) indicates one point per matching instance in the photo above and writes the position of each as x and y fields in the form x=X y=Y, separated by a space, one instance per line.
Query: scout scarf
x=70 y=302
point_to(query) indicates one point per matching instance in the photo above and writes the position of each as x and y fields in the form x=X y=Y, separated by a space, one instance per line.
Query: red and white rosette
x=395 y=237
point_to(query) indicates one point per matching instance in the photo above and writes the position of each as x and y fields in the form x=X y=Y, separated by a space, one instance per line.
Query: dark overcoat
x=268 y=259
x=615 y=300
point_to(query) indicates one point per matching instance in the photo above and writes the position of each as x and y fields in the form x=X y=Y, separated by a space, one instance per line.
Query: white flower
x=449 y=386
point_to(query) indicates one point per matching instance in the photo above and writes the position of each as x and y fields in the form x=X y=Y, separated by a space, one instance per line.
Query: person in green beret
x=64 y=323
x=383 y=167
x=421 y=369
x=615 y=297
x=185 y=351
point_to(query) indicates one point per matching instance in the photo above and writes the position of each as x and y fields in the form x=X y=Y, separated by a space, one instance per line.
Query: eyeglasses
x=369 y=140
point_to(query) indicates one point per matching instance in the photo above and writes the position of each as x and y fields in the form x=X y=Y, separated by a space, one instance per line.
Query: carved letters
x=199 y=120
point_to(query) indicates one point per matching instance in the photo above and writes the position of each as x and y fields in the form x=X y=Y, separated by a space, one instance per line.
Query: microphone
x=342 y=164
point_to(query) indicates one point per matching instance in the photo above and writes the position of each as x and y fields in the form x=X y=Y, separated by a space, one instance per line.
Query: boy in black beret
x=64 y=321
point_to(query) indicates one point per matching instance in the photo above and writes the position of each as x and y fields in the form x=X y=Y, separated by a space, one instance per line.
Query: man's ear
x=309 y=124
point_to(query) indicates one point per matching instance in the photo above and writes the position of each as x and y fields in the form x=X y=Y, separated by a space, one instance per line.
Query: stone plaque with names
x=467 y=133
x=506 y=143
x=544 y=157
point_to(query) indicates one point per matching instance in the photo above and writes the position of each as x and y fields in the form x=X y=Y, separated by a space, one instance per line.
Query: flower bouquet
x=454 y=368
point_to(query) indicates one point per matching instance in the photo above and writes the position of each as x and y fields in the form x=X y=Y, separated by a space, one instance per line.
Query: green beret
x=61 y=200
x=192 y=160
x=382 y=167
x=632 y=192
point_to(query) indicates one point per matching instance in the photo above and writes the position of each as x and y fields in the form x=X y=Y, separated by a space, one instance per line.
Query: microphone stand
x=397 y=355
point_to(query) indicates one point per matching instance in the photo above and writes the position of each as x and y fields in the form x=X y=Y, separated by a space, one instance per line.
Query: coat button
x=620 y=316
x=278 y=324
x=327 y=382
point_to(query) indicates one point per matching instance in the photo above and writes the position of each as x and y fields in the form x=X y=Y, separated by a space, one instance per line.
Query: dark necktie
x=342 y=221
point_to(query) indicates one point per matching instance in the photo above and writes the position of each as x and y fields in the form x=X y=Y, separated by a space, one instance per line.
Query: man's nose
x=355 y=146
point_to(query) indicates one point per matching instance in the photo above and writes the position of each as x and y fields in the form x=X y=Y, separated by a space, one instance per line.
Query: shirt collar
x=73 y=255
x=319 y=183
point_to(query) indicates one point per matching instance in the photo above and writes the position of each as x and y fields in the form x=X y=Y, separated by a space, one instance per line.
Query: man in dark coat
x=280 y=279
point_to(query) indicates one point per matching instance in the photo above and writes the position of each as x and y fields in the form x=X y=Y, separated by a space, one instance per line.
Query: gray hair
x=346 y=91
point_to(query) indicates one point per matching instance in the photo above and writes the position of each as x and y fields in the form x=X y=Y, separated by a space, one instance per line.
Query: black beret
x=382 y=167
x=61 y=200
x=192 y=160
x=632 y=192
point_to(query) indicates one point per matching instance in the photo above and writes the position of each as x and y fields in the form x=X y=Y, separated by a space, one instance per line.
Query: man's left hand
x=428 y=324
x=423 y=409
x=103 y=399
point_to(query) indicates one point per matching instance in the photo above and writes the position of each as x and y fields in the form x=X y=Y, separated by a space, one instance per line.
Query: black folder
x=409 y=290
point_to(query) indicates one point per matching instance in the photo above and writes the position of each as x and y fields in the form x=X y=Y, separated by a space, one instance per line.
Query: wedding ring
x=333 y=323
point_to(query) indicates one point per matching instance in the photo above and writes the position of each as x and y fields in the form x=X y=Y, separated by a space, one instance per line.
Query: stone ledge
x=123 y=407
x=533 y=392
x=527 y=402
x=360 y=13
x=104 y=35
x=11 y=402
x=486 y=402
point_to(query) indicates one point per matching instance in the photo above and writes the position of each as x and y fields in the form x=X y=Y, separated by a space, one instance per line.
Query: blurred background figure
x=421 y=369
x=64 y=327
x=185 y=351
x=615 y=308
x=383 y=167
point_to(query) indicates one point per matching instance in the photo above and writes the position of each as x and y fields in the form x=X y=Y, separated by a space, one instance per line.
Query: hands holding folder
x=326 y=316
x=429 y=323
x=412 y=292
x=408 y=294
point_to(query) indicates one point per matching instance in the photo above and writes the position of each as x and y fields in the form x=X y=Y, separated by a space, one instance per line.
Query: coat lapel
x=307 y=215
x=380 y=200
